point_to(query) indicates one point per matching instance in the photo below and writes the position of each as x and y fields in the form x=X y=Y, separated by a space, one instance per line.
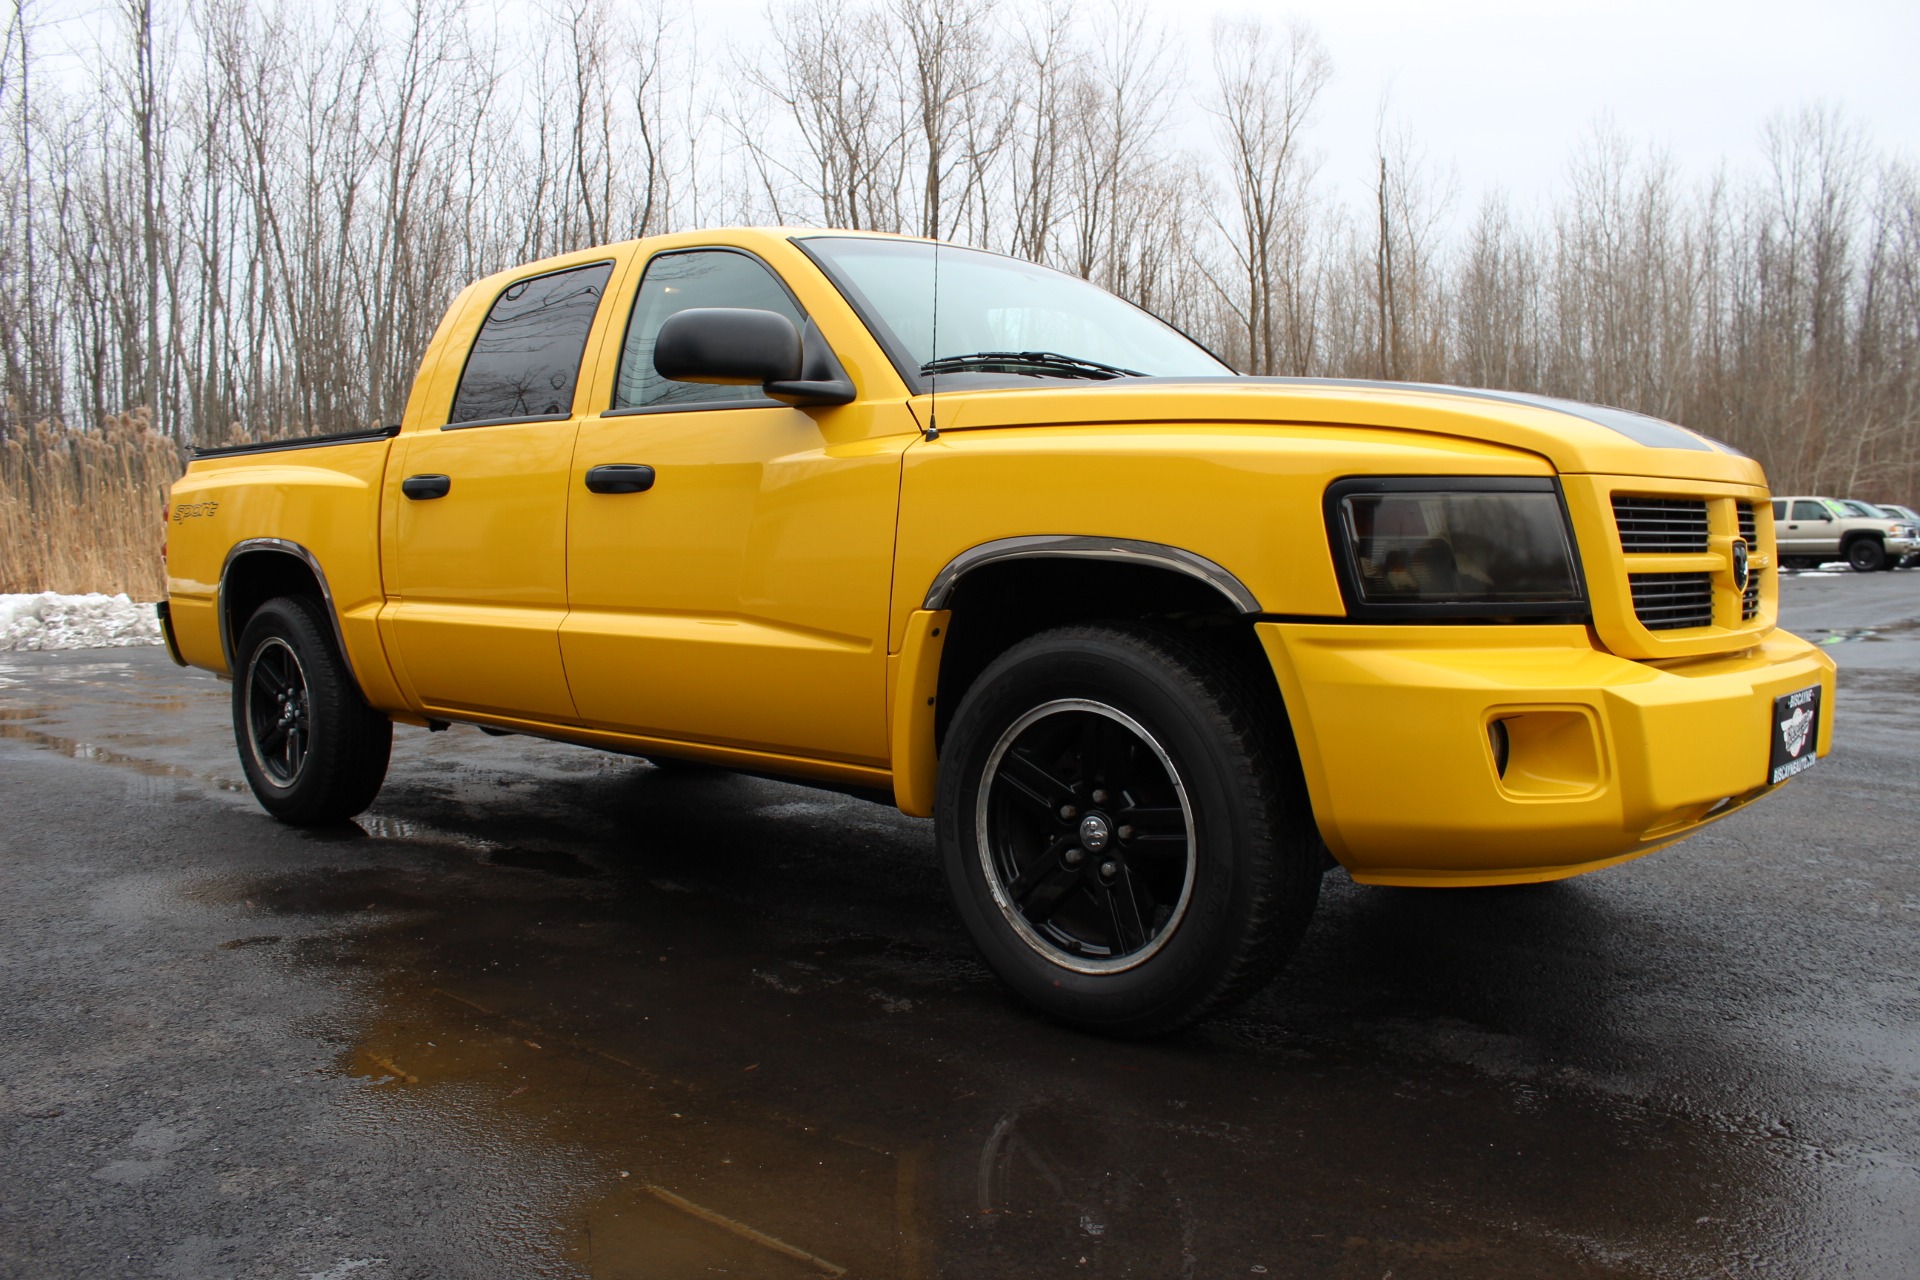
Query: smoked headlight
x=1454 y=547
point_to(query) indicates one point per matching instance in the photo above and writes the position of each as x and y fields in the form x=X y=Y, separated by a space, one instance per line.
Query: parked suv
x=1812 y=530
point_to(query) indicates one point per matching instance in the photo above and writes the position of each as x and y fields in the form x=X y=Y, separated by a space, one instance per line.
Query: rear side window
x=1805 y=510
x=526 y=360
x=676 y=282
x=1780 y=509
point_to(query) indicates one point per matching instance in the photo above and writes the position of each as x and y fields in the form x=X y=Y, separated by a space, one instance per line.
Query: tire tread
x=352 y=762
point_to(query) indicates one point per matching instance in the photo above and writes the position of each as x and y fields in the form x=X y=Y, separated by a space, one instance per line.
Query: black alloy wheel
x=1087 y=835
x=312 y=749
x=278 y=712
x=1124 y=825
x=1866 y=555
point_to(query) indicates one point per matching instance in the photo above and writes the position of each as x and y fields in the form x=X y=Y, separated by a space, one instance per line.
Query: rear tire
x=312 y=749
x=1866 y=556
x=1125 y=828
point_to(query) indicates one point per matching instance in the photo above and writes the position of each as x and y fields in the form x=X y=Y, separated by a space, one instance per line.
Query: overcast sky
x=1502 y=88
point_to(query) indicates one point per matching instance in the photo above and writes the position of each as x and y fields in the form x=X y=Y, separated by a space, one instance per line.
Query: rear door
x=741 y=598
x=481 y=534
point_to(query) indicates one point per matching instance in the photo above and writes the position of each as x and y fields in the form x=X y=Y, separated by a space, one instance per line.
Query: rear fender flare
x=230 y=627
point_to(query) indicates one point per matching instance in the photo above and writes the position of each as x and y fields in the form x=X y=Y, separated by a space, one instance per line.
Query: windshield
x=1001 y=309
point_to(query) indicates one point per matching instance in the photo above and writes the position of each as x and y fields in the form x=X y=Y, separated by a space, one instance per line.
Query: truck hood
x=1576 y=438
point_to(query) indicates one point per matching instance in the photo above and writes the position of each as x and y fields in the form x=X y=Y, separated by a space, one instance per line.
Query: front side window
x=1806 y=509
x=677 y=282
x=1000 y=316
x=526 y=359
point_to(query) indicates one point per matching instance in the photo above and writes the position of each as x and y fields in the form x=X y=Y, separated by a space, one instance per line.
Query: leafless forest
x=231 y=219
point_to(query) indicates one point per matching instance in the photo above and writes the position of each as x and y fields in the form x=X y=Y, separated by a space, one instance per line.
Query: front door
x=481 y=503
x=1808 y=529
x=740 y=598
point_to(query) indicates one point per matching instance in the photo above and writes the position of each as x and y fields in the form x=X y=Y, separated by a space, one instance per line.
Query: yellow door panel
x=477 y=575
x=742 y=600
x=481 y=582
x=497 y=661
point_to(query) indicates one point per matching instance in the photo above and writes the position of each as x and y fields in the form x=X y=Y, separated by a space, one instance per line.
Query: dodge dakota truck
x=1155 y=645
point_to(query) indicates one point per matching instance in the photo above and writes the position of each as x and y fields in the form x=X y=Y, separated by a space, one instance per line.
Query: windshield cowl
x=1039 y=363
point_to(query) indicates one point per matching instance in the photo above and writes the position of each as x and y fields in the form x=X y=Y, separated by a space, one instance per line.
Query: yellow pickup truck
x=1154 y=644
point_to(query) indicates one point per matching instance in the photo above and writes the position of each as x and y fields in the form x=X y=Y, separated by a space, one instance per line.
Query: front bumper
x=1608 y=758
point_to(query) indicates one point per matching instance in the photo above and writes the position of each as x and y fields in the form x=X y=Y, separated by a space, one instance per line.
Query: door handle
x=620 y=477
x=420 y=488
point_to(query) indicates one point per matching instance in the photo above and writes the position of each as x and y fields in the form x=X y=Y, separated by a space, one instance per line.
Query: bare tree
x=829 y=81
x=1266 y=85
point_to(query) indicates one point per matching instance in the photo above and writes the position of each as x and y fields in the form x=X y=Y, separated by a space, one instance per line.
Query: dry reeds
x=81 y=510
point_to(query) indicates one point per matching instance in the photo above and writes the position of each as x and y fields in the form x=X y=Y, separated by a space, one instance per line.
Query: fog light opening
x=1497 y=739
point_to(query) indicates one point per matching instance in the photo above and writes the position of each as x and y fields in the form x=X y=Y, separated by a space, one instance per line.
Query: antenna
x=933 y=379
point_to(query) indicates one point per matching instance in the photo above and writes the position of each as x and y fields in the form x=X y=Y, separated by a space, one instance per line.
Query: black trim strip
x=164 y=609
x=506 y=422
x=301 y=442
x=708 y=406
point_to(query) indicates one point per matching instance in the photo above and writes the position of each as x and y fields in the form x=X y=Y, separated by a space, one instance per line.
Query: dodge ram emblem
x=1740 y=563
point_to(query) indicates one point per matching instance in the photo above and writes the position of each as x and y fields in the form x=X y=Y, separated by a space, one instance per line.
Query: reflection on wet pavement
x=739 y=1020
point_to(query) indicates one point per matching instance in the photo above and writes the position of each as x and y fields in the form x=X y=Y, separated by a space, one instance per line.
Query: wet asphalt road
x=546 y=1012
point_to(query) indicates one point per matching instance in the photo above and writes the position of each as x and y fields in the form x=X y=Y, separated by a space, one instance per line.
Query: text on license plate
x=1794 y=734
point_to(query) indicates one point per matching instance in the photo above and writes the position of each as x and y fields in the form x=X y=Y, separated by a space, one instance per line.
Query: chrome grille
x=1750 y=598
x=1671 y=601
x=1673 y=526
x=1749 y=527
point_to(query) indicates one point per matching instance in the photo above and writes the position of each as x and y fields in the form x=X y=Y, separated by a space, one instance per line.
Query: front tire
x=1124 y=827
x=312 y=749
x=1866 y=556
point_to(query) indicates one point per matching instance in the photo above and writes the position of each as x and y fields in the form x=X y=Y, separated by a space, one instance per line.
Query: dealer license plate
x=1795 y=733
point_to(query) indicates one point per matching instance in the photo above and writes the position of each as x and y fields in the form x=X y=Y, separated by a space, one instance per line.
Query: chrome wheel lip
x=269 y=769
x=1022 y=927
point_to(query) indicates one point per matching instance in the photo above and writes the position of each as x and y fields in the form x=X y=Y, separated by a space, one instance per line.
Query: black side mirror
x=733 y=346
x=822 y=380
x=741 y=346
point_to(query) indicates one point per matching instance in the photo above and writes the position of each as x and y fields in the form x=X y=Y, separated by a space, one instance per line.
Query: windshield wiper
x=1024 y=361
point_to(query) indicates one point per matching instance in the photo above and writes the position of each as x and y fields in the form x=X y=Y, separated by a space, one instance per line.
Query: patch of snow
x=49 y=620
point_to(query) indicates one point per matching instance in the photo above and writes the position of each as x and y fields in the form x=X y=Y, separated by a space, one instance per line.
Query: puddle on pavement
x=745 y=1092
x=16 y=722
x=1904 y=630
